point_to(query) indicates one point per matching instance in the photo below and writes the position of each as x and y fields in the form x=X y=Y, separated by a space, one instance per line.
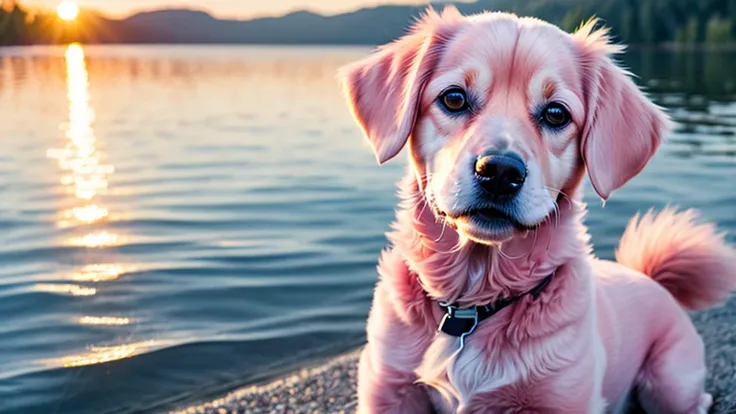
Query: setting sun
x=67 y=10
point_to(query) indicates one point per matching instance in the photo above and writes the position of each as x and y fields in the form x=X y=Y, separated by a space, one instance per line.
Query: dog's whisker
x=506 y=256
x=424 y=207
x=564 y=195
x=442 y=233
x=458 y=247
x=534 y=243
x=556 y=224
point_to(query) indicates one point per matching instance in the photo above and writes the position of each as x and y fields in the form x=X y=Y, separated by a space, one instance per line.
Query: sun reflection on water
x=74 y=290
x=85 y=177
x=85 y=173
x=88 y=214
x=103 y=320
x=94 y=240
x=101 y=354
x=100 y=273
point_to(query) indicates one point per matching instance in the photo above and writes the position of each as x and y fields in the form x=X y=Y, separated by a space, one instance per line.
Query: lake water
x=178 y=221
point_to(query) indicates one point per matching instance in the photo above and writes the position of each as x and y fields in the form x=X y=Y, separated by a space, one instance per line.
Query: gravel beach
x=331 y=388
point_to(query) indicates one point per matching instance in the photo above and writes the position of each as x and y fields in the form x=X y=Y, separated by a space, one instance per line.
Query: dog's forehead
x=512 y=48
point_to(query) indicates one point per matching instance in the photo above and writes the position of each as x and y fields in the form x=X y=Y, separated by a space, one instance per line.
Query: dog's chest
x=493 y=370
x=462 y=375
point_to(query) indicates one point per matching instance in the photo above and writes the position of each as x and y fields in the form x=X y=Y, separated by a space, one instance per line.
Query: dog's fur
x=601 y=332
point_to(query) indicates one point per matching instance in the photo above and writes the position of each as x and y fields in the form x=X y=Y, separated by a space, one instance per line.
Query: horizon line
x=238 y=17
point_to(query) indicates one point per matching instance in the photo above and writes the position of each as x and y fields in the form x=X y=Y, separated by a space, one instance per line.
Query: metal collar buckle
x=453 y=312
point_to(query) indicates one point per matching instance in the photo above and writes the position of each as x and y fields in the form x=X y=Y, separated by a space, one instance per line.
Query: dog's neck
x=468 y=273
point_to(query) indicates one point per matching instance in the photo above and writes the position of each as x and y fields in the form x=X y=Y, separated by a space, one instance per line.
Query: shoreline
x=331 y=386
x=326 y=388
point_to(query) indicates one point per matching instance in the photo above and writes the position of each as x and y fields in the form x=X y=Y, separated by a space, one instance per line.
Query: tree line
x=661 y=21
x=22 y=26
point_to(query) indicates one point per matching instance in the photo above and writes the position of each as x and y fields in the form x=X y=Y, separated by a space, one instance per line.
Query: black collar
x=462 y=322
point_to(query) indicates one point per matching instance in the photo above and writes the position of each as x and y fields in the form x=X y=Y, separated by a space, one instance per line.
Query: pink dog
x=490 y=300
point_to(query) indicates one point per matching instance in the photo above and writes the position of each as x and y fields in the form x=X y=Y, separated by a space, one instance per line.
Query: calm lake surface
x=178 y=221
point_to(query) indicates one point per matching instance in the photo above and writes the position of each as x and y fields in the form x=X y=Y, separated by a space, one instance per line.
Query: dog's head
x=502 y=116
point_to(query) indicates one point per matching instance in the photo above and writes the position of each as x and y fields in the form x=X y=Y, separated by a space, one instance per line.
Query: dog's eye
x=454 y=100
x=555 y=115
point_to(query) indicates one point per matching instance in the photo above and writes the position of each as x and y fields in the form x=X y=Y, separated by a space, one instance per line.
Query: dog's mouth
x=488 y=224
x=494 y=215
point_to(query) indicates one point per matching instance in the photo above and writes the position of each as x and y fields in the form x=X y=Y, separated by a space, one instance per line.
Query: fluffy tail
x=692 y=261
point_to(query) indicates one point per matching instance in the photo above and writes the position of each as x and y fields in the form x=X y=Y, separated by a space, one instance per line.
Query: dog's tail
x=692 y=261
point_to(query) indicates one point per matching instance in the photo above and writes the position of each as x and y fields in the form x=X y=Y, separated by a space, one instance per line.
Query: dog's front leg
x=384 y=389
x=386 y=378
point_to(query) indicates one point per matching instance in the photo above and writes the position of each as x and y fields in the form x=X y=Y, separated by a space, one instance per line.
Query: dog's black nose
x=500 y=174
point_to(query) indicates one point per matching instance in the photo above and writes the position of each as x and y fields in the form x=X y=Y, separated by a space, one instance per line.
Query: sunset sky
x=225 y=8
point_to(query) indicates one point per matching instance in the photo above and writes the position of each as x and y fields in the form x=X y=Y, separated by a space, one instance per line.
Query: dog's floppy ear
x=623 y=129
x=384 y=89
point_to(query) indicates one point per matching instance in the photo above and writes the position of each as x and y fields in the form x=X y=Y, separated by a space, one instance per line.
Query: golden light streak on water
x=104 y=320
x=100 y=273
x=84 y=171
x=66 y=289
x=96 y=240
x=88 y=214
x=102 y=354
x=84 y=175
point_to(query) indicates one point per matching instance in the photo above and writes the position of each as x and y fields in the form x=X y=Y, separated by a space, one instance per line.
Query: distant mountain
x=365 y=26
x=172 y=17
